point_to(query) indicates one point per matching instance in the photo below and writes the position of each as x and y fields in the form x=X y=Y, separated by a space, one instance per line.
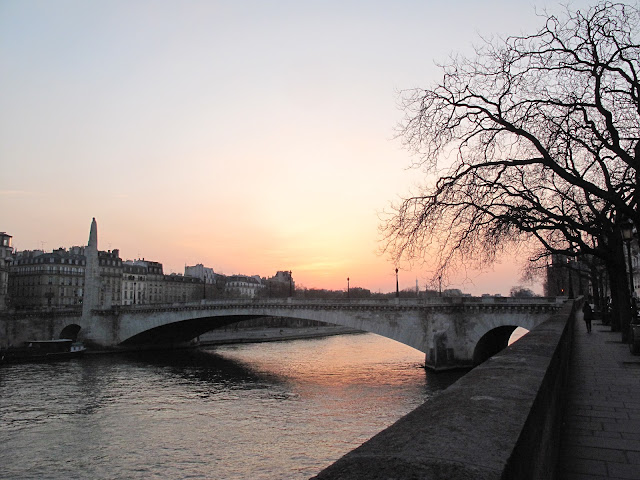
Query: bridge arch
x=171 y=326
x=182 y=332
x=493 y=333
x=70 y=331
x=492 y=342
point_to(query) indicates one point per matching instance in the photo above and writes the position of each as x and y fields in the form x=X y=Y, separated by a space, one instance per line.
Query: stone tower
x=91 y=296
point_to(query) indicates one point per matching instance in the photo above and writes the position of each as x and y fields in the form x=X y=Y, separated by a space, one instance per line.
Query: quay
x=601 y=431
x=271 y=334
x=559 y=403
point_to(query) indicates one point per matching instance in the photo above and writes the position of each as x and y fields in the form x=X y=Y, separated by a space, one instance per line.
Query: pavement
x=601 y=434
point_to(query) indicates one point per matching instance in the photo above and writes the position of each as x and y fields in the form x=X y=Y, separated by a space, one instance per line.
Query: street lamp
x=397 y=289
x=290 y=284
x=347 y=288
x=627 y=234
x=571 y=295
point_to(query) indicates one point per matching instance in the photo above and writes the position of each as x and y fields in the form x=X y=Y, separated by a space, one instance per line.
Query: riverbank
x=271 y=334
x=279 y=410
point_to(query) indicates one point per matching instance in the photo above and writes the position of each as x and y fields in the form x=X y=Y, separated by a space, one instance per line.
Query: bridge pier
x=442 y=356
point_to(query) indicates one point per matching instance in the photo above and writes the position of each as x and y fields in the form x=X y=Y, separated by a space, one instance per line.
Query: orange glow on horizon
x=273 y=151
x=323 y=263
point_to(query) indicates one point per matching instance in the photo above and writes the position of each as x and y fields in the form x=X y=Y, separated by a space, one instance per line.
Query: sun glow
x=251 y=140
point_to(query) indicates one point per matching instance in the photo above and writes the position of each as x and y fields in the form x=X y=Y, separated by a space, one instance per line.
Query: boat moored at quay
x=42 y=351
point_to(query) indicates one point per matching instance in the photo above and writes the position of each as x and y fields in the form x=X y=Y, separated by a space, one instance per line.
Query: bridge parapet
x=42 y=312
x=437 y=303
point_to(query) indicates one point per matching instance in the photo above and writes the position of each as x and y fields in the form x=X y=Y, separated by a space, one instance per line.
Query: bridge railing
x=292 y=301
x=349 y=303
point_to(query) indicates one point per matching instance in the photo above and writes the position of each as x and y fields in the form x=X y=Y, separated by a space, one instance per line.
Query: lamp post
x=627 y=234
x=571 y=295
x=348 y=293
x=290 y=284
x=397 y=288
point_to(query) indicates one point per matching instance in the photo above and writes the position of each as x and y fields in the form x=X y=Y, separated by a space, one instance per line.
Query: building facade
x=200 y=271
x=244 y=286
x=280 y=285
x=6 y=258
x=180 y=289
x=54 y=279
x=134 y=284
x=142 y=282
x=110 y=278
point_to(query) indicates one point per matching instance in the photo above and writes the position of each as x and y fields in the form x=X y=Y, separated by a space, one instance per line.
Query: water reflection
x=202 y=367
x=261 y=411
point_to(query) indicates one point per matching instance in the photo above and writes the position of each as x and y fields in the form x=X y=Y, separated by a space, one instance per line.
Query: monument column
x=91 y=296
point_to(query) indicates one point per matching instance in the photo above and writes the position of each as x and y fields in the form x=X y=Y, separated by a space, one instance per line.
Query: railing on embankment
x=500 y=421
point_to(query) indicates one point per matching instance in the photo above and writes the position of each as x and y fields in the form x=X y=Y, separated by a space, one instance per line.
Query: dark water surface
x=281 y=410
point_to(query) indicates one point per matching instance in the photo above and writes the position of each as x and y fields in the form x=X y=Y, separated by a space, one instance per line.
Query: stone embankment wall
x=500 y=421
x=274 y=322
x=19 y=327
x=272 y=329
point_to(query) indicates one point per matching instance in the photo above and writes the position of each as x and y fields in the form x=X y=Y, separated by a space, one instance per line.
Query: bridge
x=453 y=332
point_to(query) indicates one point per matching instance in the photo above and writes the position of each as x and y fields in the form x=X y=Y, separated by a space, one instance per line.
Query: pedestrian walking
x=587 y=314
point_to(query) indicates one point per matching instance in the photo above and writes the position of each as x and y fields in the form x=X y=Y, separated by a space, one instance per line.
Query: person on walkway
x=587 y=315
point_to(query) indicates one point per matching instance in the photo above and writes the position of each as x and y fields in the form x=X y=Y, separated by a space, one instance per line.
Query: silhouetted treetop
x=542 y=133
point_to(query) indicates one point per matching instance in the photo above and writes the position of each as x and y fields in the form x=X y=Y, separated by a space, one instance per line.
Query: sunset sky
x=248 y=136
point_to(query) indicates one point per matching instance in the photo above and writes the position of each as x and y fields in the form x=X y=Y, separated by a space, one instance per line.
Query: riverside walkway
x=601 y=432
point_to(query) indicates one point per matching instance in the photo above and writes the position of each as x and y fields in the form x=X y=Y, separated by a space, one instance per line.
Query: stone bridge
x=452 y=331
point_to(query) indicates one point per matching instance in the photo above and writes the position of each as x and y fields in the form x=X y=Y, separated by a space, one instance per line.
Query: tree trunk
x=620 y=295
x=595 y=284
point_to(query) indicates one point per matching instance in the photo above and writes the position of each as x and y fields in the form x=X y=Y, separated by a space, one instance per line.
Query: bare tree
x=544 y=130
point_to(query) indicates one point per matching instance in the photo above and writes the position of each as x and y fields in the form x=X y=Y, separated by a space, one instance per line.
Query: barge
x=42 y=351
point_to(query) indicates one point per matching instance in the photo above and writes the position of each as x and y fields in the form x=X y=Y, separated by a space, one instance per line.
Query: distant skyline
x=248 y=136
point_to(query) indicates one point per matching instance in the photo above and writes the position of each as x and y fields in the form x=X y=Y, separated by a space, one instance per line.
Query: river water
x=282 y=410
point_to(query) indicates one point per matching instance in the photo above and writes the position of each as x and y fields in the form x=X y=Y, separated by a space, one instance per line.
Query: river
x=282 y=410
